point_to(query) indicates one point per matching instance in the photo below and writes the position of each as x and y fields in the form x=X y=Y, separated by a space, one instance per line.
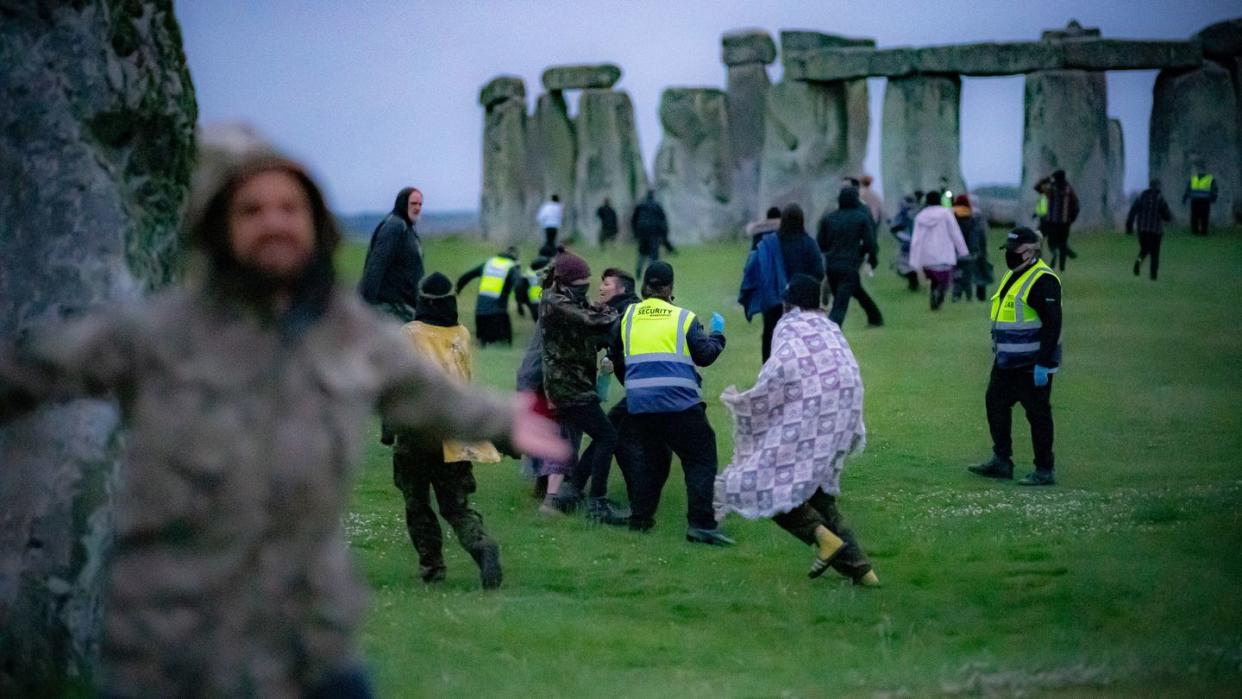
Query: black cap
x=1019 y=237
x=435 y=286
x=658 y=275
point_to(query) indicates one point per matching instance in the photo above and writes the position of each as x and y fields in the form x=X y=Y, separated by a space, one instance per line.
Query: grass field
x=1124 y=579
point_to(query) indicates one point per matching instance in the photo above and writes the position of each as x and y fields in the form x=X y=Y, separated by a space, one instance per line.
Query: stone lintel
x=743 y=46
x=501 y=88
x=581 y=77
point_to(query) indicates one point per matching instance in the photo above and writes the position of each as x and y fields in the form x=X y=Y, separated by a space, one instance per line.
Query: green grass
x=1124 y=579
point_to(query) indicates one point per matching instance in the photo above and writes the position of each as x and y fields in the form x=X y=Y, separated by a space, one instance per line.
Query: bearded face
x=271 y=225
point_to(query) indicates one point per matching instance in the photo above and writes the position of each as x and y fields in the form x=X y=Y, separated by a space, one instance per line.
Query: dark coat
x=847 y=234
x=573 y=332
x=394 y=264
x=650 y=226
x=1149 y=212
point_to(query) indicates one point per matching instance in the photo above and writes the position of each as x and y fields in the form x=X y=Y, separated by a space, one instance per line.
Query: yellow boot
x=829 y=547
x=870 y=579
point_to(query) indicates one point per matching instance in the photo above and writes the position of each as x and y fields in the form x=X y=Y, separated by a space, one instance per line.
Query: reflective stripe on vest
x=659 y=373
x=534 y=290
x=494 y=274
x=1041 y=206
x=1015 y=325
x=1201 y=183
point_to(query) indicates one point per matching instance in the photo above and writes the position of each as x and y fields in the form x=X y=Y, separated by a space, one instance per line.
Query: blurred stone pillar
x=506 y=208
x=609 y=162
x=921 y=141
x=694 y=165
x=746 y=54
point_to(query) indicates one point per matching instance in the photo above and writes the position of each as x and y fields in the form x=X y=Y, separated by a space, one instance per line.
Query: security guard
x=655 y=348
x=1201 y=193
x=1026 y=339
x=497 y=276
x=529 y=290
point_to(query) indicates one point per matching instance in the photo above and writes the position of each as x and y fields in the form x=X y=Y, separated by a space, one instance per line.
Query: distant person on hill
x=846 y=237
x=768 y=224
x=549 y=217
x=394 y=262
x=793 y=432
x=1058 y=211
x=1201 y=192
x=936 y=246
x=779 y=256
x=650 y=226
x=529 y=289
x=1149 y=213
x=873 y=200
x=420 y=466
x=902 y=228
x=497 y=278
x=607 y=223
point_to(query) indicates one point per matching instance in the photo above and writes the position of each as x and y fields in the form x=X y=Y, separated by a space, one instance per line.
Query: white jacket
x=549 y=215
x=937 y=239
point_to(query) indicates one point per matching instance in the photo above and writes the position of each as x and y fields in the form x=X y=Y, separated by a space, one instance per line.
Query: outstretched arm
x=468 y=277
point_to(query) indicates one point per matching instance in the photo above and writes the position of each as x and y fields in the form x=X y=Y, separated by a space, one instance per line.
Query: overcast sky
x=376 y=95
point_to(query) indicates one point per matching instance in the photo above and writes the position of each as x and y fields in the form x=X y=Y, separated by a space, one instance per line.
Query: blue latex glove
x=717 y=323
x=1042 y=373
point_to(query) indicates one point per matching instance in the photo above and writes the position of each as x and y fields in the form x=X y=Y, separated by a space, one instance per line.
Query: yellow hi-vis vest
x=1015 y=325
x=494 y=273
x=1201 y=183
x=946 y=199
x=535 y=290
x=1041 y=206
x=659 y=373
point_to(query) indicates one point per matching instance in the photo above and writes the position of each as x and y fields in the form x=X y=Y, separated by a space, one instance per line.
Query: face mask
x=1014 y=260
x=580 y=292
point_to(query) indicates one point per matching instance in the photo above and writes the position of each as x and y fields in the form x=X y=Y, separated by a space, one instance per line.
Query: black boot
x=995 y=467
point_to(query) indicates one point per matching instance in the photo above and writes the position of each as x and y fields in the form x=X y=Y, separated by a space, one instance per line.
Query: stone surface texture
x=1118 y=203
x=1190 y=119
x=747 y=86
x=553 y=148
x=97 y=148
x=921 y=138
x=501 y=88
x=581 y=77
x=1222 y=40
x=694 y=166
x=509 y=192
x=1066 y=127
x=609 y=162
x=745 y=46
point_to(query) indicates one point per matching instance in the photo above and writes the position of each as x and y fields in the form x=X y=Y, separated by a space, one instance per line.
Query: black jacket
x=847 y=234
x=394 y=264
x=1044 y=299
x=1149 y=212
x=650 y=226
x=607 y=221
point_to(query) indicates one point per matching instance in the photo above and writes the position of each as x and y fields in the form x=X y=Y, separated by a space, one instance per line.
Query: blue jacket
x=763 y=278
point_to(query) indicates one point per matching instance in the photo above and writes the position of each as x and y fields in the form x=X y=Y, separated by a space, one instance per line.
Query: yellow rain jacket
x=449 y=348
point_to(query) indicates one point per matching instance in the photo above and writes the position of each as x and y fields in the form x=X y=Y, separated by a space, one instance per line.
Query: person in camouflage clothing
x=574 y=330
x=244 y=393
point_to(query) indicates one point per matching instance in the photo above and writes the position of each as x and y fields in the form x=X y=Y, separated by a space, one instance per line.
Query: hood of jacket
x=849 y=199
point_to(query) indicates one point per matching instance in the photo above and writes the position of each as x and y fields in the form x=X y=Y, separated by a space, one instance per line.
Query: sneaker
x=1039 y=477
x=489 y=566
x=868 y=579
x=715 y=537
x=431 y=574
x=549 y=508
x=600 y=511
x=996 y=467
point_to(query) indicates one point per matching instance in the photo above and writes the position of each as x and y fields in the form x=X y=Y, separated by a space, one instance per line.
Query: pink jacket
x=937 y=239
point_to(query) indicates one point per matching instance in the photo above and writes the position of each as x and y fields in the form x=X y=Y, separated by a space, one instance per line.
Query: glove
x=718 y=323
x=1042 y=374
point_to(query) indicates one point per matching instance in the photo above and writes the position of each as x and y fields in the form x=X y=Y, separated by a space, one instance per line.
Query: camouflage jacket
x=230 y=574
x=573 y=333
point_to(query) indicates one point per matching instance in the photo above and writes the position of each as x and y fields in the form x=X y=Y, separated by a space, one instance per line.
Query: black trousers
x=821 y=510
x=846 y=284
x=688 y=435
x=589 y=419
x=493 y=328
x=549 y=236
x=1149 y=244
x=1200 y=215
x=1057 y=235
x=770 y=317
x=1010 y=386
x=629 y=453
x=417 y=471
x=645 y=258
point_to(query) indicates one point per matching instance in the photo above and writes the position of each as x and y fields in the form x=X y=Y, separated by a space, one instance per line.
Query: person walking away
x=394 y=261
x=1062 y=211
x=793 y=432
x=650 y=226
x=1201 y=192
x=845 y=237
x=901 y=226
x=549 y=219
x=529 y=290
x=977 y=243
x=1149 y=213
x=798 y=255
x=607 y=223
x=497 y=278
x=419 y=467
x=244 y=393
x=768 y=224
x=973 y=272
x=656 y=347
x=936 y=246
x=574 y=330
x=872 y=199
x=1026 y=341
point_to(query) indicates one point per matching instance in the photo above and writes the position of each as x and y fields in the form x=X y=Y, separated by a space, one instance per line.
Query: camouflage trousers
x=417 y=472
x=821 y=509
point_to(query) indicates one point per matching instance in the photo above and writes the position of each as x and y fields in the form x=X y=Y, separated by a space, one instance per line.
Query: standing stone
x=1194 y=115
x=815 y=133
x=746 y=54
x=921 y=141
x=580 y=77
x=553 y=150
x=1118 y=205
x=506 y=207
x=1222 y=42
x=96 y=150
x=1066 y=127
x=694 y=165
x=609 y=162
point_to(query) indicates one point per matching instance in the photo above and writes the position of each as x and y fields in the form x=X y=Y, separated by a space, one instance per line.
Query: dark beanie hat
x=802 y=291
x=435 y=286
x=568 y=268
x=658 y=275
